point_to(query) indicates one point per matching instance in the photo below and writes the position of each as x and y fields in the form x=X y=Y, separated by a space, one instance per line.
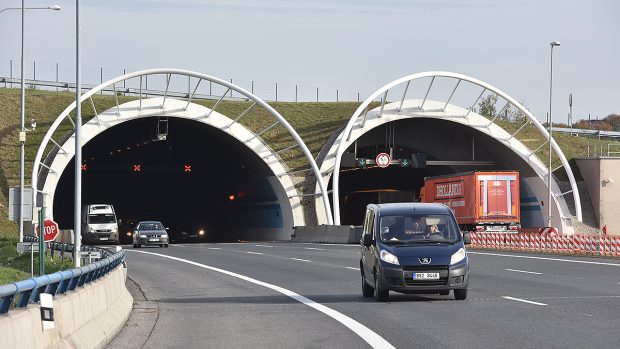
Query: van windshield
x=419 y=229
x=101 y=218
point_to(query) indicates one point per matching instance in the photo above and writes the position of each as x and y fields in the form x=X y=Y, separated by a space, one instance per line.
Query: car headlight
x=165 y=236
x=457 y=256
x=388 y=257
x=128 y=233
x=201 y=232
x=142 y=235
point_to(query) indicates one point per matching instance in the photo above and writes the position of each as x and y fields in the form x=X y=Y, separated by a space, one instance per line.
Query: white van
x=99 y=223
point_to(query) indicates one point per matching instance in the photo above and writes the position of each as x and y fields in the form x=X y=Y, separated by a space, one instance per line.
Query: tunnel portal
x=192 y=178
x=448 y=147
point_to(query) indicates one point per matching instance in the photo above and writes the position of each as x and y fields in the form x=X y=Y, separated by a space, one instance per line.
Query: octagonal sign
x=50 y=230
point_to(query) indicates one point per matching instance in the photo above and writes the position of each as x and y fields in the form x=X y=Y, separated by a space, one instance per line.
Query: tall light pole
x=22 y=130
x=553 y=44
x=77 y=198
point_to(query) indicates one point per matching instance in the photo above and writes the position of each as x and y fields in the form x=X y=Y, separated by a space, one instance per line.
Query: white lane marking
x=178 y=245
x=263 y=246
x=214 y=248
x=314 y=248
x=358 y=269
x=544 y=258
x=523 y=300
x=372 y=338
x=523 y=271
x=250 y=252
x=301 y=260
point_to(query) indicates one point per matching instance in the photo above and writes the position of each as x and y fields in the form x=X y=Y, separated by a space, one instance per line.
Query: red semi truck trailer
x=481 y=201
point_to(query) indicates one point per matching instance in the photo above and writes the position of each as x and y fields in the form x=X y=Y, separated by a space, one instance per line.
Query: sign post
x=42 y=242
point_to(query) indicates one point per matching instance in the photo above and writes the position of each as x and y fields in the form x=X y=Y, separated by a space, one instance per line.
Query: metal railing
x=587 y=132
x=28 y=291
x=611 y=150
x=56 y=77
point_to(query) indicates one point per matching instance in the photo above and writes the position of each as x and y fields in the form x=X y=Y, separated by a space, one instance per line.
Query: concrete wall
x=602 y=177
x=335 y=234
x=89 y=317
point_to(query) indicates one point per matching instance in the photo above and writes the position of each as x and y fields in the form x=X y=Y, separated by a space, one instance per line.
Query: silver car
x=150 y=233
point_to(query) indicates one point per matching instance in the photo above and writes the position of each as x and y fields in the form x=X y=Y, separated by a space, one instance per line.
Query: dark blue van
x=413 y=248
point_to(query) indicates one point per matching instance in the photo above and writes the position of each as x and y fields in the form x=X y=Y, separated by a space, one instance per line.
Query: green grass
x=15 y=266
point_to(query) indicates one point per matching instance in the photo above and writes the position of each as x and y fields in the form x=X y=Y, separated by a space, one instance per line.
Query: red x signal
x=136 y=168
x=84 y=167
x=188 y=168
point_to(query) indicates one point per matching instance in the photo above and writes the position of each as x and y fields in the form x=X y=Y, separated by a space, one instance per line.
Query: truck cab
x=99 y=224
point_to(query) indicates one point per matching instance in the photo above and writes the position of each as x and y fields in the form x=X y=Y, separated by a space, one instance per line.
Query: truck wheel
x=460 y=294
x=380 y=294
x=367 y=290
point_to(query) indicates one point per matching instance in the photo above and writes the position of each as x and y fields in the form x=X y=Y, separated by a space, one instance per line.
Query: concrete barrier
x=335 y=234
x=88 y=317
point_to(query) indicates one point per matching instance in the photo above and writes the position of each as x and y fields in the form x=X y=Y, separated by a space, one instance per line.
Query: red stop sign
x=50 y=230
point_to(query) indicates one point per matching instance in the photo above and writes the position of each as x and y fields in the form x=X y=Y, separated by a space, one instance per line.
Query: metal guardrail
x=612 y=150
x=587 y=132
x=27 y=291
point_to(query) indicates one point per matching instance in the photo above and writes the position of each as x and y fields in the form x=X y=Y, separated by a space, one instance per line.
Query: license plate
x=103 y=239
x=153 y=239
x=425 y=276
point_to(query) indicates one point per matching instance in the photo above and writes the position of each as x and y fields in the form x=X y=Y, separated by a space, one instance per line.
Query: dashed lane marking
x=263 y=246
x=372 y=338
x=523 y=300
x=358 y=269
x=314 y=248
x=250 y=252
x=301 y=260
x=524 y=271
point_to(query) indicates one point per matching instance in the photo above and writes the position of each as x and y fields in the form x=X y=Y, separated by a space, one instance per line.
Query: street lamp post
x=553 y=44
x=22 y=132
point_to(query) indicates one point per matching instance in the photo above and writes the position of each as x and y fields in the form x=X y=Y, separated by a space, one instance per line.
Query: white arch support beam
x=175 y=108
x=444 y=111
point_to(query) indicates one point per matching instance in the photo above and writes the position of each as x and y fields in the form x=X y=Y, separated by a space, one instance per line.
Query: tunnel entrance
x=449 y=148
x=187 y=174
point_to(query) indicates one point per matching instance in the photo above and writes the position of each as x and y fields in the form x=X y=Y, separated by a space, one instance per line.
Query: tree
x=486 y=107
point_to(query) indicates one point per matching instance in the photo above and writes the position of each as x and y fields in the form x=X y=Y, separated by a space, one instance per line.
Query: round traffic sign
x=383 y=160
x=50 y=230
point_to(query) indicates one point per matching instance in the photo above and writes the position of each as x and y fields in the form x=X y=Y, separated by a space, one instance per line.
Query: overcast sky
x=355 y=46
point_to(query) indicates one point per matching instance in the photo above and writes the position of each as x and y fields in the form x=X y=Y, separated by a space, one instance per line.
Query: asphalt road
x=285 y=295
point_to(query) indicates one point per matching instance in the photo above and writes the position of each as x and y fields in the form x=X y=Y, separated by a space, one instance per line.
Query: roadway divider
x=577 y=244
x=90 y=305
x=334 y=234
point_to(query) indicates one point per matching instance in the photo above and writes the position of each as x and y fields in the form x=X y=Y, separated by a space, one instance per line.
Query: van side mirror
x=367 y=240
x=467 y=238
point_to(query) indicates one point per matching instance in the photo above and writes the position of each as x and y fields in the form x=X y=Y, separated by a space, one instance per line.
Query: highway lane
x=571 y=304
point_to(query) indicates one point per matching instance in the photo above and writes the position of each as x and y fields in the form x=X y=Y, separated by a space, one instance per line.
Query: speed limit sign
x=383 y=160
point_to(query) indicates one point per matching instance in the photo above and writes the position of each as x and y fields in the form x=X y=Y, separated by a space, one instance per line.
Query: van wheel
x=367 y=290
x=460 y=294
x=380 y=294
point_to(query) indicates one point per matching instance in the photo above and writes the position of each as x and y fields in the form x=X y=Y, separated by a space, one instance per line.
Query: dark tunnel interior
x=438 y=139
x=197 y=178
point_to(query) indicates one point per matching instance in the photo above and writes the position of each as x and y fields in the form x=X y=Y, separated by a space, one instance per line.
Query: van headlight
x=457 y=256
x=388 y=257
x=142 y=235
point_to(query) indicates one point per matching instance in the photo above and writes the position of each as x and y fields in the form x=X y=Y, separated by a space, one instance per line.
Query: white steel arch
x=360 y=116
x=166 y=106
